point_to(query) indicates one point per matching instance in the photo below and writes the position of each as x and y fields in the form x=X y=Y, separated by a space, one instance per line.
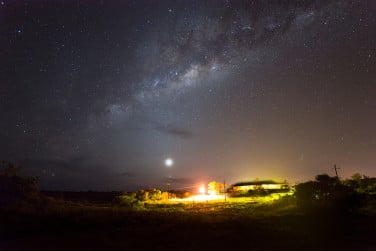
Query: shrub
x=327 y=193
x=15 y=188
x=155 y=194
x=142 y=195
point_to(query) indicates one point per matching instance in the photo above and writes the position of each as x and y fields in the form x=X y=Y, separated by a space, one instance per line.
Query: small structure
x=257 y=188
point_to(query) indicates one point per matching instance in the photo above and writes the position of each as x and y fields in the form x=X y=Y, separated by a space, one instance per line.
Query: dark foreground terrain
x=70 y=226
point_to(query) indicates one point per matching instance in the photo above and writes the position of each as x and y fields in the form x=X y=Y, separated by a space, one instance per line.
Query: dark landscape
x=324 y=214
x=199 y=229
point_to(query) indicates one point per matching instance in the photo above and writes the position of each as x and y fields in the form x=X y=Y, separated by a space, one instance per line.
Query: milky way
x=98 y=94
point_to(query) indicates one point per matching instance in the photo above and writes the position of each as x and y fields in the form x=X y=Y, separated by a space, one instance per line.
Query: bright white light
x=202 y=189
x=169 y=162
x=201 y=198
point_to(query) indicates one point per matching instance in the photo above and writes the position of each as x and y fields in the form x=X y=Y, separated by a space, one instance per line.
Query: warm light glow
x=220 y=198
x=169 y=162
x=201 y=198
x=202 y=189
x=214 y=188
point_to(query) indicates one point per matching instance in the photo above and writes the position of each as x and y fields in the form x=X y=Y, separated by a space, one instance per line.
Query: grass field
x=237 y=223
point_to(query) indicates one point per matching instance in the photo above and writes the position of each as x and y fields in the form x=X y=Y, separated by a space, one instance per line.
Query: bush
x=155 y=194
x=142 y=195
x=326 y=193
x=305 y=194
x=15 y=188
x=129 y=200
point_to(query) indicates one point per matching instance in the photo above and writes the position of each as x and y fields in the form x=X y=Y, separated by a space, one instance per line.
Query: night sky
x=95 y=95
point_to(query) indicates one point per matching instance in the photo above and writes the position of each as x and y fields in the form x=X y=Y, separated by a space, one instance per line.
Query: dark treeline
x=14 y=187
x=89 y=196
x=325 y=193
x=331 y=193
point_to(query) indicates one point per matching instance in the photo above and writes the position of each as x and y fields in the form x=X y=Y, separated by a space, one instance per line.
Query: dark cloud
x=76 y=164
x=174 y=131
x=125 y=174
x=183 y=182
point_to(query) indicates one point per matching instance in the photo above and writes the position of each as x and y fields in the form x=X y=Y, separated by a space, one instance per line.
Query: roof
x=257 y=182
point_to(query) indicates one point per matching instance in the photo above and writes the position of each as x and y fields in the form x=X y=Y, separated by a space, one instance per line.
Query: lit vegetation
x=285 y=221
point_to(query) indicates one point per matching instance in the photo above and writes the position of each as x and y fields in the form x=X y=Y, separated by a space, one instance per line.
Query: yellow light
x=202 y=189
x=214 y=188
x=201 y=198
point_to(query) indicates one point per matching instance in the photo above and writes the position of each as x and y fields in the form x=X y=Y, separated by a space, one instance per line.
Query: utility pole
x=168 y=190
x=224 y=189
x=335 y=169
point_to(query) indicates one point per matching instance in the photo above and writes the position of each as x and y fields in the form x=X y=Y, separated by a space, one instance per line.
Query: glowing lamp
x=202 y=189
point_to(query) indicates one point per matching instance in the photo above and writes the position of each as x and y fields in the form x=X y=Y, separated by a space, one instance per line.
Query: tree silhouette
x=327 y=193
x=13 y=186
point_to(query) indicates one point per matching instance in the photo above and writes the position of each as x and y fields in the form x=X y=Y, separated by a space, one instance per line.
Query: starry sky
x=96 y=95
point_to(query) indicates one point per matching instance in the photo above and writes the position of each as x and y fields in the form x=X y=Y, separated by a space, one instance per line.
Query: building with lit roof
x=257 y=187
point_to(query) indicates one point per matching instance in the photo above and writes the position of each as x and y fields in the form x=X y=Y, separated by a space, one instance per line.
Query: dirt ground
x=174 y=227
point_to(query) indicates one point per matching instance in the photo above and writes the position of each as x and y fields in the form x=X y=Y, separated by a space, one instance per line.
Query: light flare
x=202 y=190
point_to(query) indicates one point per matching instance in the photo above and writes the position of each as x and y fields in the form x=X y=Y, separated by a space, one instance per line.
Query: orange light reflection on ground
x=201 y=197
